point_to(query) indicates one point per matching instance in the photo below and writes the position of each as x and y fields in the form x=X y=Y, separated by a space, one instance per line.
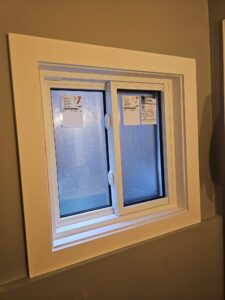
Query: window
x=105 y=145
x=105 y=149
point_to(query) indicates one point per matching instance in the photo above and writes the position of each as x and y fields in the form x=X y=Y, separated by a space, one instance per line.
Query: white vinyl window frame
x=39 y=64
x=74 y=225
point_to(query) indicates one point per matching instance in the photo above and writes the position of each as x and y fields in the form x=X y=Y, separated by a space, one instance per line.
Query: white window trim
x=27 y=54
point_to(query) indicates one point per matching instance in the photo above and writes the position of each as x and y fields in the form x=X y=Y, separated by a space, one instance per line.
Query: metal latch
x=111 y=177
x=107 y=121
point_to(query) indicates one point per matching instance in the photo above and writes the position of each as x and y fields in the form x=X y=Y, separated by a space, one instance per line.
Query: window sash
x=168 y=155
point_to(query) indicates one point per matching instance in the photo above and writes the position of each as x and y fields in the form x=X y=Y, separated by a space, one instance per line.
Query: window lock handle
x=107 y=121
x=111 y=178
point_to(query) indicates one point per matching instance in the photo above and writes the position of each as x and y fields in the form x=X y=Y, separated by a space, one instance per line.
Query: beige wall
x=183 y=266
x=175 y=27
x=217 y=14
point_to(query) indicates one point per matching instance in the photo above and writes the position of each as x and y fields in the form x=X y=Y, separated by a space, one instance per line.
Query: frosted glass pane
x=141 y=153
x=81 y=154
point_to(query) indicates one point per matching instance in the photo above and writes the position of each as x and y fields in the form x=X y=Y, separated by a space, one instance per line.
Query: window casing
x=68 y=239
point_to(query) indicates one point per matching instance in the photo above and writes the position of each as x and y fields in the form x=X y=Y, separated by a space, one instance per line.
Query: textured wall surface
x=181 y=266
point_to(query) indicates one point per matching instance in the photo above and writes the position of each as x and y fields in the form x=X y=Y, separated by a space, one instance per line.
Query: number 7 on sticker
x=79 y=98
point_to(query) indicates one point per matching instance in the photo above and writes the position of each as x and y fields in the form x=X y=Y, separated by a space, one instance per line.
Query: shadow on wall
x=209 y=161
x=217 y=145
x=217 y=160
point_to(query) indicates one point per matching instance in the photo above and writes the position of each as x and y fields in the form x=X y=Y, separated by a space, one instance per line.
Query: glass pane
x=141 y=150
x=80 y=145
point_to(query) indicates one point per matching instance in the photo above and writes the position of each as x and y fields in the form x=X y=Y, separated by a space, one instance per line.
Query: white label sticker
x=148 y=110
x=72 y=111
x=131 y=110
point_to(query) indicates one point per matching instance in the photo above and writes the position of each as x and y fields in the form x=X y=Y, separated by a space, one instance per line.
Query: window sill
x=108 y=225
